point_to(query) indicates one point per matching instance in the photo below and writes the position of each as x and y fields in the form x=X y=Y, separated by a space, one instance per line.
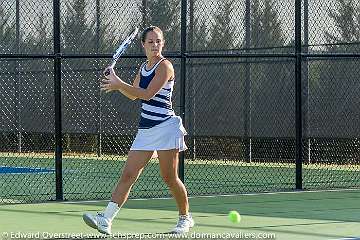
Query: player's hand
x=109 y=72
x=111 y=82
x=109 y=85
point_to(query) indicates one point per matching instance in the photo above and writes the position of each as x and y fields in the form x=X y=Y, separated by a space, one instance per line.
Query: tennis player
x=160 y=130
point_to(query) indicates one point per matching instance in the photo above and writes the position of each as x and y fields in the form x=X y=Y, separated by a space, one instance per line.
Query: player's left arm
x=164 y=72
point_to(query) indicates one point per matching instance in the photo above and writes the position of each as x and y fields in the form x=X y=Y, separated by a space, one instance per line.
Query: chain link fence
x=236 y=69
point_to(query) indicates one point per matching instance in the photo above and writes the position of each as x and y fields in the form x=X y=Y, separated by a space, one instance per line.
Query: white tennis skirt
x=165 y=136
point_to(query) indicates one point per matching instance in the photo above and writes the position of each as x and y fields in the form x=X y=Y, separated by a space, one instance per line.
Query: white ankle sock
x=111 y=210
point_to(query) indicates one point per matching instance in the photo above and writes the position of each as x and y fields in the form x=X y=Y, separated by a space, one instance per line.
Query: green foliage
x=265 y=31
x=78 y=34
x=271 y=79
x=81 y=35
x=7 y=32
x=347 y=21
x=166 y=15
x=265 y=25
x=346 y=17
x=106 y=41
x=41 y=40
x=338 y=86
x=199 y=35
x=222 y=34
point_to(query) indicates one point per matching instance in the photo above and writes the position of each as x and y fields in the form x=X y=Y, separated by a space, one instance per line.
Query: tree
x=222 y=34
x=84 y=34
x=166 y=15
x=337 y=92
x=8 y=121
x=7 y=32
x=198 y=35
x=347 y=22
x=80 y=77
x=81 y=35
x=271 y=78
x=265 y=25
x=40 y=40
x=78 y=34
x=218 y=77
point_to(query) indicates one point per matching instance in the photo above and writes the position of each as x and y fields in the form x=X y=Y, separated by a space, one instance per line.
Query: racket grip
x=112 y=65
x=107 y=72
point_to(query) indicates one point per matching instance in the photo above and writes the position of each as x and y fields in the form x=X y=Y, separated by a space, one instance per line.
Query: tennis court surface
x=293 y=215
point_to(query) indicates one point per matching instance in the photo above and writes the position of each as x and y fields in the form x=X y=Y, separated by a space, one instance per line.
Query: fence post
x=97 y=32
x=191 y=101
x=182 y=79
x=17 y=77
x=57 y=96
x=298 y=93
x=306 y=85
x=247 y=107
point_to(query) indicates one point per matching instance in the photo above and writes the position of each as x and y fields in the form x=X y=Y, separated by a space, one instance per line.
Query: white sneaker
x=184 y=224
x=99 y=222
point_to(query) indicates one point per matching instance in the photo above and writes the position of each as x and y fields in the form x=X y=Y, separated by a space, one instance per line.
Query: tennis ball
x=234 y=216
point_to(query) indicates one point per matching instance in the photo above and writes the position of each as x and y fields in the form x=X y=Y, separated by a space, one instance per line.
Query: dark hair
x=149 y=29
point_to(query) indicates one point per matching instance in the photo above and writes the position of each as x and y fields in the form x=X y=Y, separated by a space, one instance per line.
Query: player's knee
x=129 y=176
x=169 y=179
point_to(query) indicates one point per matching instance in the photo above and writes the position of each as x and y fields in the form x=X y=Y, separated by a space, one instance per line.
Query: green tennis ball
x=234 y=217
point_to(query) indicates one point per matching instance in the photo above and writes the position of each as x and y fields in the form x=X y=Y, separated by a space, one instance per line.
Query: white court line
x=224 y=195
x=350 y=238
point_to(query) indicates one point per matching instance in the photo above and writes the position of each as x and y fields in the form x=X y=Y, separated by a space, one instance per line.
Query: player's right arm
x=135 y=84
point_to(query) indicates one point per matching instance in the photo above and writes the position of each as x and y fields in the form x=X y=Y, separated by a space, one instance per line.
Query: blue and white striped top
x=159 y=108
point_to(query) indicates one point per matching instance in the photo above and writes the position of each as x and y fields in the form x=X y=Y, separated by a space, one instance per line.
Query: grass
x=91 y=177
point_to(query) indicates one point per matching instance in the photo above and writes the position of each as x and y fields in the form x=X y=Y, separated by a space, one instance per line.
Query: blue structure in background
x=13 y=170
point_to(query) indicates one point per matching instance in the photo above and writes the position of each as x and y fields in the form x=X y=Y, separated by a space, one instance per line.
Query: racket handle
x=107 y=72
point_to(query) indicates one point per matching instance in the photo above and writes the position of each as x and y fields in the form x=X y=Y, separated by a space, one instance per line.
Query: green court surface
x=293 y=215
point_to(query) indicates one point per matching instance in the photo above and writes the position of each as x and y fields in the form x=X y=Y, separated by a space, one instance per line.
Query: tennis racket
x=122 y=48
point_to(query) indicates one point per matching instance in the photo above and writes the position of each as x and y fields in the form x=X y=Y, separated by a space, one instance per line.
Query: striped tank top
x=158 y=109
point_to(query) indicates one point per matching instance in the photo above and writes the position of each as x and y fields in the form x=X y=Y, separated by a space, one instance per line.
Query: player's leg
x=169 y=160
x=134 y=165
